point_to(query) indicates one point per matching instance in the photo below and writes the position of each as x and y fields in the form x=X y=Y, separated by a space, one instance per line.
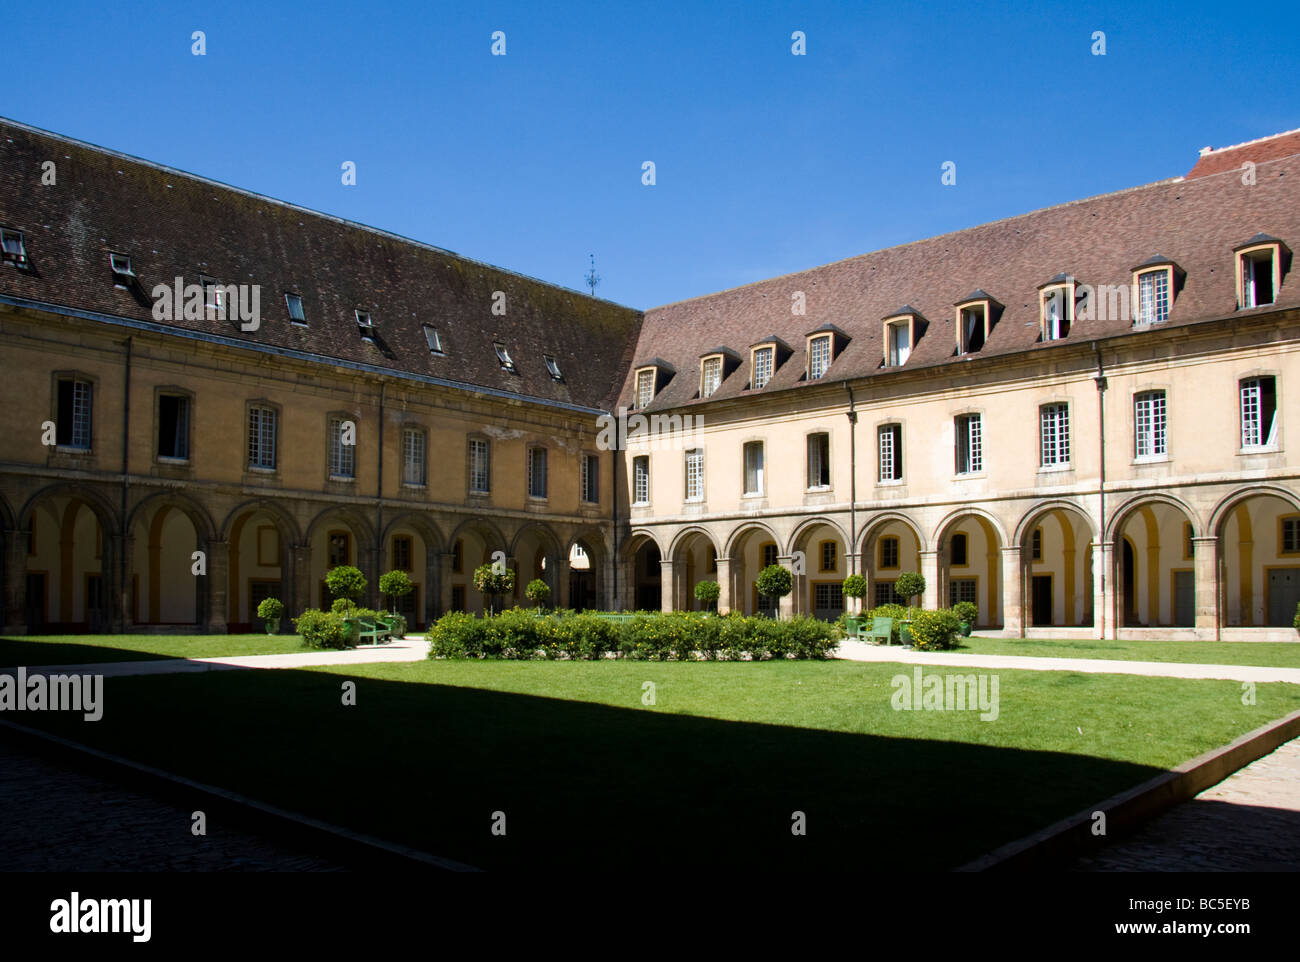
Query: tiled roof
x=1196 y=223
x=1217 y=160
x=175 y=224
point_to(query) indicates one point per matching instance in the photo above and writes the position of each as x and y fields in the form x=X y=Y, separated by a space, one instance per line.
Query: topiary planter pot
x=272 y=626
x=964 y=630
x=905 y=633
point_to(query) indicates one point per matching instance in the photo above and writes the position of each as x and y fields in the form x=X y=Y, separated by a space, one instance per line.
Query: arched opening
x=644 y=584
x=588 y=572
x=257 y=568
x=970 y=567
x=695 y=559
x=1056 y=557
x=890 y=546
x=538 y=555
x=407 y=545
x=164 y=589
x=1259 y=539
x=336 y=539
x=69 y=567
x=1156 y=580
x=753 y=548
x=472 y=545
x=819 y=589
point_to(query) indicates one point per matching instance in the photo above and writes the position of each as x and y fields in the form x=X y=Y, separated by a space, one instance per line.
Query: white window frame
x=263 y=428
x=414 y=461
x=818 y=465
x=590 y=480
x=552 y=368
x=1054 y=435
x=889 y=451
x=641 y=479
x=754 y=480
x=365 y=326
x=1049 y=325
x=969 y=434
x=897 y=353
x=1153 y=295
x=480 y=466
x=710 y=374
x=646 y=378
x=537 y=472
x=1150 y=425
x=1247 y=295
x=342 y=457
x=819 y=347
x=1251 y=394
x=960 y=322
x=694 y=464
x=763 y=364
x=13 y=246
x=433 y=341
x=290 y=299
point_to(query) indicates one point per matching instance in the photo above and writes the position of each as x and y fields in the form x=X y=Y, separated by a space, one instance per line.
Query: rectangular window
x=763 y=366
x=971 y=329
x=1054 y=429
x=1257 y=278
x=769 y=555
x=296 y=313
x=641 y=479
x=1036 y=545
x=72 y=425
x=645 y=387
x=819 y=461
x=890 y=443
x=829 y=554
x=961 y=589
x=970 y=446
x=11 y=244
x=503 y=355
x=413 y=463
x=710 y=376
x=1056 y=313
x=365 y=326
x=458 y=556
x=959 y=550
x=754 y=467
x=340 y=548
x=1259 y=412
x=402 y=552
x=828 y=599
x=819 y=357
x=343 y=455
x=433 y=341
x=1290 y=535
x=479 y=474
x=900 y=344
x=1153 y=297
x=695 y=475
x=261 y=437
x=883 y=594
x=537 y=472
x=1149 y=424
x=552 y=368
x=889 y=552
x=591 y=478
x=173 y=426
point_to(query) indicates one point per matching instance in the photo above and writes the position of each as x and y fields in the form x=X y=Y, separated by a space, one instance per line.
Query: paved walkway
x=58 y=819
x=862 y=651
x=1249 y=822
x=408 y=649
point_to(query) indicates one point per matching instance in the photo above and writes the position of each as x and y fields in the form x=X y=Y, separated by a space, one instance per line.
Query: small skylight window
x=12 y=247
x=504 y=356
x=433 y=340
x=123 y=276
x=553 y=368
x=296 y=313
x=366 y=326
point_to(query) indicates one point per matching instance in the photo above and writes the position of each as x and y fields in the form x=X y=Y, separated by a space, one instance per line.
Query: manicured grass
x=589 y=776
x=86 y=649
x=1266 y=654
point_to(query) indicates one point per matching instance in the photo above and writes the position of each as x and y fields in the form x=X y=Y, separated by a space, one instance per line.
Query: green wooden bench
x=369 y=632
x=614 y=616
x=881 y=628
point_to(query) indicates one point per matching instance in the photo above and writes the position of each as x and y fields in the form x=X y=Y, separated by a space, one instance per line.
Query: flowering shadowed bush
x=935 y=629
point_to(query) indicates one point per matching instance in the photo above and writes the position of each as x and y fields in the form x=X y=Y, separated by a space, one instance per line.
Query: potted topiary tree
x=774 y=581
x=855 y=587
x=494 y=579
x=347 y=584
x=707 y=593
x=271 y=610
x=966 y=612
x=538 y=592
x=909 y=585
x=395 y=584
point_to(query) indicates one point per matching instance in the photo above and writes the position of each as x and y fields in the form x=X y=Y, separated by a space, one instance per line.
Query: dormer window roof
x=1056 y=307
x=902 y=329
x=649 y=380
x=824 y=345
x=1260 y=264
x=1155 y=285
x=976 y=313
x=715 y=366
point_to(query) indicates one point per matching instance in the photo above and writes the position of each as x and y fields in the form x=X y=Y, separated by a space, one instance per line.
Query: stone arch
x=1229 y=502
x=989 y=519
x=589 y=587
x=199 y=516
x=1119 y=517
x=360 y=525
x=1256 y=530
x=807 y=524
x=109 y=518
x=424 y=565
x=978 y=576
x=1153 y=573
x=885 y=517
x=694 y=555
x=744 y=530
x=78 y=560
x=426 y=526
x=284 y=521
x=641 y=557
x=1056 y=587
x=818 y=587
x=1039 y=508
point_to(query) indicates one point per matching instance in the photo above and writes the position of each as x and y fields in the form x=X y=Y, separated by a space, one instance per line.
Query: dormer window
x=365 y=326
x=1259 y=271
x=120 y=265
x=1056 y=301
x=710 y=375
x=819 y=356
x=214 y=295
x=976 y=315
x=434 y=341
x=12 y=247
x=898 y=340
x=645 y=387
x=503 y=356
x=293 y=302
x=1152 y=296
x=552 y=368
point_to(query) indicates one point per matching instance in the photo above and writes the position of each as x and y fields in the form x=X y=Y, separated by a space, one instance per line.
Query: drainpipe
x=379 y=492
x=853 y=483
x=126 y=434
x=613 y=497
x=1100 y=378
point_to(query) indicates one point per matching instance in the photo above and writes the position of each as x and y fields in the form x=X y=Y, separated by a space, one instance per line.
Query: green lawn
x=708 y=777
x=86 y=649
x=1266 y=654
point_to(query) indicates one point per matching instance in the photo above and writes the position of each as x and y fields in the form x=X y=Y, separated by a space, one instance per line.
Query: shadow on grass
x=587 y=785
x=22 y=651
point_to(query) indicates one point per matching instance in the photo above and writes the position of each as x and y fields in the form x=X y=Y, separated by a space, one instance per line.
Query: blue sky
x=766 y=162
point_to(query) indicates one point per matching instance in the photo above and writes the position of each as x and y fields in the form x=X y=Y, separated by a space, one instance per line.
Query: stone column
x=1104 y=595
x=444 y=564
x=299 y=577
x=15 y=582
x=930 y=571
x=371 y=557
x=561 y=597
x=786 y=606
x=117 y=579
x=1205 y=551
x=667 y=585
x=1013 y=593
x=218 y=593
x=724 y=585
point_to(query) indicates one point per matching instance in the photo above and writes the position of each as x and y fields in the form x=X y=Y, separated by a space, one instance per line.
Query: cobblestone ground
x=1250 y=821
x=56 y=819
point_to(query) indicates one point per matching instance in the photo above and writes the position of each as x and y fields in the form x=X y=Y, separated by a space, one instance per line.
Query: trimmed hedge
x=322 y=629
x=673 y=636
x=935 y=629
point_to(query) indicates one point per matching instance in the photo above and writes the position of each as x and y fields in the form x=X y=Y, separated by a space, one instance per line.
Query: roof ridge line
x=122 y=155
x=1206 y=152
